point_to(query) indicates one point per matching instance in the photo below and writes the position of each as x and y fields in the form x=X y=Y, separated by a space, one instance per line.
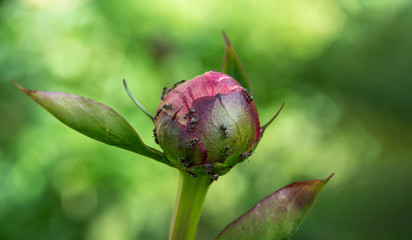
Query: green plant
x=205 y=126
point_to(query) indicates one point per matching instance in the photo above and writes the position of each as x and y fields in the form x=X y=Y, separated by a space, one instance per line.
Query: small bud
x=207 y=125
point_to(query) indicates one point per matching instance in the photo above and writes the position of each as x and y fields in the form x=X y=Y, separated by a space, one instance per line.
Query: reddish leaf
x=277 y=216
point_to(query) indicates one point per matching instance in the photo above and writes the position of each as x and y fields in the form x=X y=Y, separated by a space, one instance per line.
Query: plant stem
x=189 y=202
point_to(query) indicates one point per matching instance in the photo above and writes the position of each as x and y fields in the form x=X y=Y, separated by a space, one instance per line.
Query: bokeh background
x=343 y=67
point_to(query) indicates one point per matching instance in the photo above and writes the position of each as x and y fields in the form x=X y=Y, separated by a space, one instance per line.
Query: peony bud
x=207 y=125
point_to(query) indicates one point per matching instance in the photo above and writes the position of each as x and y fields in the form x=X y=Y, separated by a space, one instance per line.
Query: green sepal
x=232 y=65
x=94 y=120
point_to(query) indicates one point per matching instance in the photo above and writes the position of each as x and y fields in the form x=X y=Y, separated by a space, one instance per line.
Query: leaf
x=232 y=65
x=279 y=215
x=94 y=120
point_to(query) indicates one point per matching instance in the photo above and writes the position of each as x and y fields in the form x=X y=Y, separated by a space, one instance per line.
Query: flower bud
x=207 y=125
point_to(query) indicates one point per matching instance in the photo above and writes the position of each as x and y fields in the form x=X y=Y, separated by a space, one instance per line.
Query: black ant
x=155 y=136
x=226 y=150
x=248 y=96
x=177 y=84
x=193 y=142
x=168 y=106
x=192 y=174
x=212 y=175
x=193 y=121
x=187 y=165
x=174 y=86
x=163 y=94
x=223 y=127
x=245 y=155
x=158 y=112
x=191 y=111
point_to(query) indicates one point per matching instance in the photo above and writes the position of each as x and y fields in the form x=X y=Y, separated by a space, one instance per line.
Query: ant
x=187 y=165
x=191 y=111
x=168 y=106
x=177 y=84
x=163 y=94
x=226 y=150
x=223 y=127
x=193 y=142
x=165 y=90
x=158 y=112
x=192 y=174
x=155 y=136
x=212 y=175
x=248 y=96
x=245 y=155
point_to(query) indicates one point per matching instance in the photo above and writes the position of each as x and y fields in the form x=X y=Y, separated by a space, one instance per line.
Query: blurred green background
x=344 y=69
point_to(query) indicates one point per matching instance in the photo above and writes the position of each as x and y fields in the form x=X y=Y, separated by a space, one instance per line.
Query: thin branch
x=262 y=129
x=136 y=102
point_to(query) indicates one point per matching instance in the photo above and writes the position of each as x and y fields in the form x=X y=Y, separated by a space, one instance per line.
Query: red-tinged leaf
x=232 y=65
x=94 y=120
x=279 y=215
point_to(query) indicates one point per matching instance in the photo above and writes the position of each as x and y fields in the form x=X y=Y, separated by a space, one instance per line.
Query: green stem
x=189 y=202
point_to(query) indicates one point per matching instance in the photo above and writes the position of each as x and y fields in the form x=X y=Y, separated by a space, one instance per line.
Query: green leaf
x=232 y=65
x=94 y=120
x=279 y=215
